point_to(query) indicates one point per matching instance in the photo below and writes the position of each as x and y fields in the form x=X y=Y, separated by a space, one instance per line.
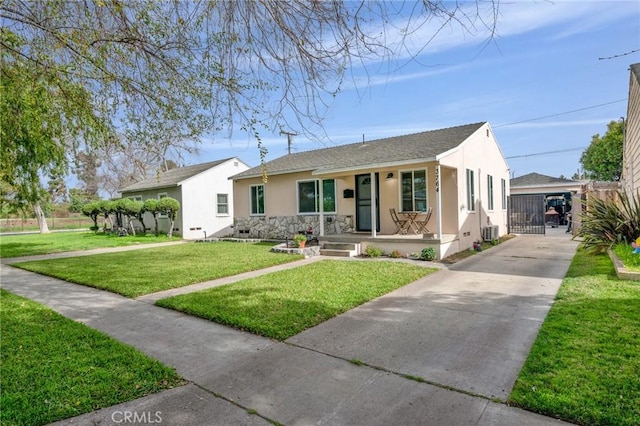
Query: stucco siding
x=199 y=207
x=481 y=154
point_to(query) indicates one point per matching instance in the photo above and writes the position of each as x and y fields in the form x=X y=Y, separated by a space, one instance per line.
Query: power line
x=547 y=152
x=561 y=113
x=619 y=56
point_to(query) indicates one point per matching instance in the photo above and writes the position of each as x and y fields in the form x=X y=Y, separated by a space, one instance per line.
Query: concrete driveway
x=469 y=328
x=439 y=351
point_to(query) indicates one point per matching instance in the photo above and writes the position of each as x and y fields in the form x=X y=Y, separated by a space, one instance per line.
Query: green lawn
x=585 y=364
x=54 y=368
x=138 y=272
x=626 y=255
x=57 y=242
x=282 y=304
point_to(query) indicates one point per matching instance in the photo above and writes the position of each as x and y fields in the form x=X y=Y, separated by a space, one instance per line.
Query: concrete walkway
x=443 y=350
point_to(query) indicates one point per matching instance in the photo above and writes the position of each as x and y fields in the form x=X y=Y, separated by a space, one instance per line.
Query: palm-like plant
x=609 y=222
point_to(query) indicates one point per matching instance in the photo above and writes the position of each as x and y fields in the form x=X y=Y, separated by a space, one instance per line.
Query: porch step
x=339 y=249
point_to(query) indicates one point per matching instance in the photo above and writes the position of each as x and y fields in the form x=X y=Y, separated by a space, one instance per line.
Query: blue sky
x=545 y=60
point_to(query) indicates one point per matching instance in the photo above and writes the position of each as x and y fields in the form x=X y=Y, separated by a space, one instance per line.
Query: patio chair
x=422 y=224
x=400 y=223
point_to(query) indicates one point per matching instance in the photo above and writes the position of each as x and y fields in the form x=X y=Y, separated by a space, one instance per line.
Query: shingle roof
x=417 y=146
x=536 y=179
x=172 y=177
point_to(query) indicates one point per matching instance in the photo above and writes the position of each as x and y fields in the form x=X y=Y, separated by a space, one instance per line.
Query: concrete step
x=337 y=253
x=339 y=246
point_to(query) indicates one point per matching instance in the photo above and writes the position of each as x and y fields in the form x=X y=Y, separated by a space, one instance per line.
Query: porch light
x=390 y=175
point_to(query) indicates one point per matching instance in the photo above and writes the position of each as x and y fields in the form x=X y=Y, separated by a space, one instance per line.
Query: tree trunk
x=42 y=221
x=170 y=233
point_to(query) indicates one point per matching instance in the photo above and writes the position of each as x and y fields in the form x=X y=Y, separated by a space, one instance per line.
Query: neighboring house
x=533 y=194
x=631 y=156
x=205 y=194
x=346 y=192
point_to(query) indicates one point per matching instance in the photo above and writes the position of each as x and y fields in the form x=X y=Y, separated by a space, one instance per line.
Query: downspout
x=479 y=201
x=438 y=201
x=374 y=203
x=321 y=209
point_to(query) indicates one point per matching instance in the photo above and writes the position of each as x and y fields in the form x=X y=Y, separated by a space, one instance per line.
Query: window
x=257 y=199
x=160 y=197
x=414 y=190
x=503 y=188
x=471 y=195
x=223 y=203
x=309 y=196
x=136 y=197
x=489 y=192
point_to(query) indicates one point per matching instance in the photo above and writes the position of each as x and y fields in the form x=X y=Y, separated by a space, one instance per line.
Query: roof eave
x=330 y=171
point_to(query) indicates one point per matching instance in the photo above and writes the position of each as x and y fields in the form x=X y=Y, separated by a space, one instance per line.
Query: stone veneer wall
x=283 y=227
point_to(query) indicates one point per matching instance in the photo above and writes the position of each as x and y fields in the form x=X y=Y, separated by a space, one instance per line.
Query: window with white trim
x=222 y=204
x=162 y=195
x=309 y=196
x=136 y=197
x=471 y=195
x=414 y=190
x=489 y=192
x=503 y=188
x=257 y=200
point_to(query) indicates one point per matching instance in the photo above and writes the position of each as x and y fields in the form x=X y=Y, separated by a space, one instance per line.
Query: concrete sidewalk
x=442 y=350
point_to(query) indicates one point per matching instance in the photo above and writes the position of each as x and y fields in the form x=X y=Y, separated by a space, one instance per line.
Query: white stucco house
x=205 y=194
x=454 y=181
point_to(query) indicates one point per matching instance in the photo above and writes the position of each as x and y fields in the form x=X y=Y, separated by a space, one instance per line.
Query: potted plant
x=300 y=240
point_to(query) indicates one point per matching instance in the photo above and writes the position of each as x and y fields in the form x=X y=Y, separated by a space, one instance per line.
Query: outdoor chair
x=422 y=224
x=400 y=223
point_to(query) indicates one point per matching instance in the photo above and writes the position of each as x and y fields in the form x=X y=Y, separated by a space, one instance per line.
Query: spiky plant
x=609 y=222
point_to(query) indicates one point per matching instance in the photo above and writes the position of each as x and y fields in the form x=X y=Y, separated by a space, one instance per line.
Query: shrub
x=373 y=251
x=395 y=254
x=609 y=222
x=428 y=253
x=94 y=228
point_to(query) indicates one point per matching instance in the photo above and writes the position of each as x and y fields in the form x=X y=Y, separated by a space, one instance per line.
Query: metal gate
x=526 y=214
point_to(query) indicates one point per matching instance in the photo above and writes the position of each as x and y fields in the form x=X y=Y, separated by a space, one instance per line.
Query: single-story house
x=204 y=192
x=449 y=189
x=631 y=150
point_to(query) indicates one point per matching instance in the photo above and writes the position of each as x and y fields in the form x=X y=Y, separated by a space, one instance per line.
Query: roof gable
x=172 y=177
x=417 y=146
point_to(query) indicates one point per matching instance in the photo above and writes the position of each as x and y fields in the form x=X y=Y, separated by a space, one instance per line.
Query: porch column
x=374 y=203
x=321 y=208
x=438 y=201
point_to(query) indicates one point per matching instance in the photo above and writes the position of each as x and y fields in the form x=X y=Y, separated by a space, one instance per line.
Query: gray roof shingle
x=536 y=179
x=171 y=177
x=417 y=146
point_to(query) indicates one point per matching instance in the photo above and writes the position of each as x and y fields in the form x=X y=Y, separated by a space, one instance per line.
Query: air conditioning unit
x=490 y=232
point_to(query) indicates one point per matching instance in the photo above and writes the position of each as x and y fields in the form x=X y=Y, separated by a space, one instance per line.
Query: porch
x=405 y=244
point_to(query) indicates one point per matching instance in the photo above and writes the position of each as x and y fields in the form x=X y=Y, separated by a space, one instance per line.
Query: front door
x=364 y=202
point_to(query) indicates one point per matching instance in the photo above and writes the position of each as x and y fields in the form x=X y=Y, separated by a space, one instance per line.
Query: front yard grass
x=626 y=255
x=585 y=363
x=138 y=272
x=57 y=242
x=282 y=304
x=54 y=368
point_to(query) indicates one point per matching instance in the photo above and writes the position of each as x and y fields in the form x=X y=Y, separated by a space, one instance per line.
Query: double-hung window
x=257 y=199
x=309 y=196
x=489 y=192
x=503 y=188
x=414 y=190
x=223 y=204
x=471 y=194
x=160 y=197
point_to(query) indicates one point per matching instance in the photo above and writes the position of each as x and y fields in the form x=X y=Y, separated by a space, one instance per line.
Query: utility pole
x=289 y=135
